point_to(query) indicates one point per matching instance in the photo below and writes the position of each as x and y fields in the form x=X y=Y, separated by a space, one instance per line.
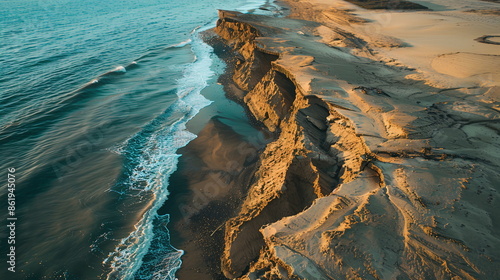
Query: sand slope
x=379 y=170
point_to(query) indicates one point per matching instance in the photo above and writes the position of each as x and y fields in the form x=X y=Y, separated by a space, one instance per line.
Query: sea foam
x=156 y=163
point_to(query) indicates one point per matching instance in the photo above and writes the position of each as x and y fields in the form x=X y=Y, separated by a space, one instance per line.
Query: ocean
x=95 y=97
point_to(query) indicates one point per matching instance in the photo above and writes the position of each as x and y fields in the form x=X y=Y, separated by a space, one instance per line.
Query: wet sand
x=207 y=189
x=213 y=176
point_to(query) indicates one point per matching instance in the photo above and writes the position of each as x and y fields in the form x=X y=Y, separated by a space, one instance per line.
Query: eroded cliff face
x=371 y=176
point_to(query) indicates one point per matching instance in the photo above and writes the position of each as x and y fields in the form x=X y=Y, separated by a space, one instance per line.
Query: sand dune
x=465 y=65
x=386 y=157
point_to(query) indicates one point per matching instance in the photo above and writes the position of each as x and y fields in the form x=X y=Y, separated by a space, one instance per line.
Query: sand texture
x=387 y=148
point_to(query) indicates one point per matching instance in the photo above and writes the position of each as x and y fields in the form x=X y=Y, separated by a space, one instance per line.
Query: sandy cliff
x=375 y=172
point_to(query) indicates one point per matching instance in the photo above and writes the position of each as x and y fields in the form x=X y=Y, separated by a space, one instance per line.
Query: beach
x=95 y=99
x=250 y=139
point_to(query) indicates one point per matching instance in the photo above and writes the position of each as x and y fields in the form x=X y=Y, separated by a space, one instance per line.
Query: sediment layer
x=371 y=176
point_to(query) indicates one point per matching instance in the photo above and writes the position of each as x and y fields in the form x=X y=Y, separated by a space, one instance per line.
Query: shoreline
x=197 y=227
x=209 y=184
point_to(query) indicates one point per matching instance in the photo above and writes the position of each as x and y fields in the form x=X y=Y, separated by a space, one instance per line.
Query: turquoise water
x=94 y=101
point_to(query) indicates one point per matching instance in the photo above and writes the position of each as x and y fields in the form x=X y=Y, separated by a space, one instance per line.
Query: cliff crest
x=360 y=182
